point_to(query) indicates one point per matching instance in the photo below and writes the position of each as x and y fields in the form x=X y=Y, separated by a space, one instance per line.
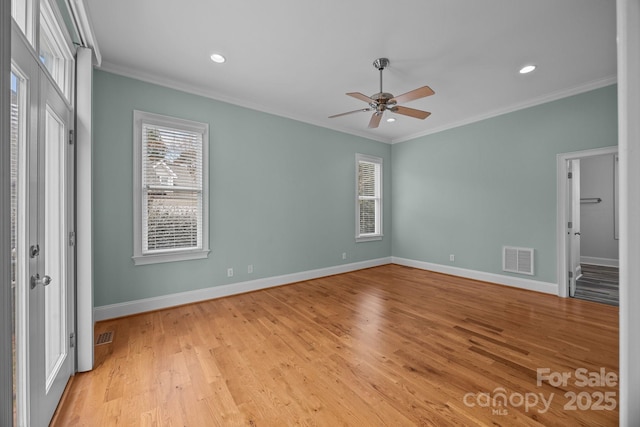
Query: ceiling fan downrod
x=381 y=64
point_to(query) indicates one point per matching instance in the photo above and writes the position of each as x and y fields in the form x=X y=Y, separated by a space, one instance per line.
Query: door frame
x=563 y=211
x=573 y=211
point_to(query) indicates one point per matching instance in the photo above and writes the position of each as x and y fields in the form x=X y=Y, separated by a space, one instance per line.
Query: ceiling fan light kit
x=385 y=101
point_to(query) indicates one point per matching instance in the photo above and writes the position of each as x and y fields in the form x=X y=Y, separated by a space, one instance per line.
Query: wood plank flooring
x=386 y=346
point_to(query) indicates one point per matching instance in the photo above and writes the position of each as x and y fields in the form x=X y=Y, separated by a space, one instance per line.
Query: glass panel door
x=18 y=272
x=42 y=218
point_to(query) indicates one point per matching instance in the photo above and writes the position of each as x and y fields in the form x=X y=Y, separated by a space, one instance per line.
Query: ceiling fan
x=383 y=101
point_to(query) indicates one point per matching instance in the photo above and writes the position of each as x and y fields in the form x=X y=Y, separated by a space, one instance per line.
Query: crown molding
x=553 y=96
x=208 y=93
x=80 y=12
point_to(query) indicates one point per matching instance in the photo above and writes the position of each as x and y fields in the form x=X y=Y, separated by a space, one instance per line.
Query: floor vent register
x=105 y=338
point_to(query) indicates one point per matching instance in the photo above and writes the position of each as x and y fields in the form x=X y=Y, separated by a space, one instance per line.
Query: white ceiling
x=298 y=58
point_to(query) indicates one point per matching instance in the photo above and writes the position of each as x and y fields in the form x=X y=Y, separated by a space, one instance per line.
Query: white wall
x=628 y=22
x=598 y=245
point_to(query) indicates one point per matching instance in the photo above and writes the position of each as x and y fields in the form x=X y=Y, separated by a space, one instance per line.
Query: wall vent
x=517 y=260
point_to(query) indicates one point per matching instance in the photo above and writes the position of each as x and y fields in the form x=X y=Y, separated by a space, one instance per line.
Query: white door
x=575 y=270
x=44 y=210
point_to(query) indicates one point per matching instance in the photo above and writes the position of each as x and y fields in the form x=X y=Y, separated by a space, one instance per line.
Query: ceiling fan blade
x=375 y=120
x=411 y=112
x=360 y=96
x=350 y=112
x=421 y=92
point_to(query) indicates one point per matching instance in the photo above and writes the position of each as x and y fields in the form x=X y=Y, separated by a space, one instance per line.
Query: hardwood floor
x=387 y=346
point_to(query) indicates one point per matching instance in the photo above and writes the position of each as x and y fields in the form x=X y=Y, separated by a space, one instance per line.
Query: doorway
x=42 y=196
x=599 y=257
x=587 y=225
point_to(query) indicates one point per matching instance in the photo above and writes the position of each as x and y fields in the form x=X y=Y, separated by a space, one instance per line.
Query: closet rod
x=591 y=200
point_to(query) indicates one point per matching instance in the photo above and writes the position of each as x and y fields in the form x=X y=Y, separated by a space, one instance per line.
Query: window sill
x=368 y=238
x=169 y=257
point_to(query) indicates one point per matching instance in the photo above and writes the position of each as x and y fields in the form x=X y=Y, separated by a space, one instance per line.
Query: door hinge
x=71 y=136
x=570 y=274
x=570 y=224
x=72 y=238
x=570 y=175
x=72 y=340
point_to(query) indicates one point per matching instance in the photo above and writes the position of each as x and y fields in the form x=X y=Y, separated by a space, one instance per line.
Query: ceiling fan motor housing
x=381 y=63
x=381 y=101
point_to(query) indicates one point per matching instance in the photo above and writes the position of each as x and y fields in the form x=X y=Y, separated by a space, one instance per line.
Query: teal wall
x=281 y=194
x=470 y=190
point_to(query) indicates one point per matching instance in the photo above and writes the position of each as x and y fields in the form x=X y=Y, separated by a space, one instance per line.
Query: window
x=20 y=11
x=368 y=198
x=43 y=26
x=54 y=50
x=170 y=189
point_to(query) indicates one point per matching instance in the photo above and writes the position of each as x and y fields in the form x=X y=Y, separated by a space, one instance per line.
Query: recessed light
x=527 y=69
x=216 y=57
x=391 y=120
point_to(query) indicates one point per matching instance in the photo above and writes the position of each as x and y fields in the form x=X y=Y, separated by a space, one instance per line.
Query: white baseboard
x=129 y=308
x=607 y=262
x=516 y=282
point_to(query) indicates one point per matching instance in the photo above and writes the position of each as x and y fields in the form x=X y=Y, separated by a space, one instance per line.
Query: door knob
x=36 y=280
x=577 y=233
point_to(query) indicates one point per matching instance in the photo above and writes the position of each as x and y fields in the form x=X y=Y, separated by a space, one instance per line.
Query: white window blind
x=172 y=194
x=369 y=198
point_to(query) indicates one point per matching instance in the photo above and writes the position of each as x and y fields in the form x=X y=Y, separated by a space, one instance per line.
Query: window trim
x=379 y=184
x=170 y=255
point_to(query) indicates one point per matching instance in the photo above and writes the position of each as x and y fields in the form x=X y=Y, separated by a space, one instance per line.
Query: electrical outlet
x=250 y=268
x=452 y=257
x=229 y=272
x=344 y=255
